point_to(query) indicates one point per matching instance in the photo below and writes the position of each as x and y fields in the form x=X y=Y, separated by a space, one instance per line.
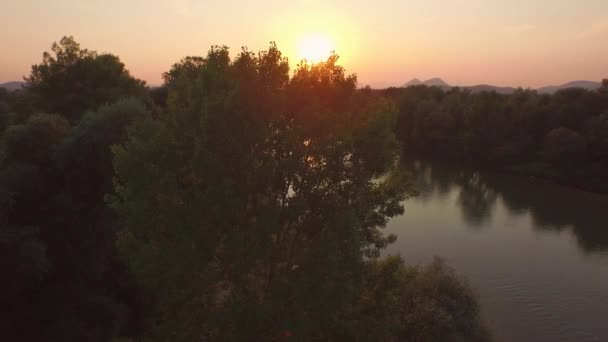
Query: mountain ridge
x=438 y=82
x=434 y=82
x=12 y=85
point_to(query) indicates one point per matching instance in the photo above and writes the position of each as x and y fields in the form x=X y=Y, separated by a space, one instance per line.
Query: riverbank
x=592 y=178
x=535 y=252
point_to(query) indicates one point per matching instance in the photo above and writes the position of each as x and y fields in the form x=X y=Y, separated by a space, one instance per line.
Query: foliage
x=70 y=80
x=253 y=203
x=559 y=136
x=64 y=281
x=15 y=107
x=245 y=205
x=420 y=303
x=563 y=146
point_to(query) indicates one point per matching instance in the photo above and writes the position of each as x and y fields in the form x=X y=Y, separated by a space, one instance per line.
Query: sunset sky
x=386 y=42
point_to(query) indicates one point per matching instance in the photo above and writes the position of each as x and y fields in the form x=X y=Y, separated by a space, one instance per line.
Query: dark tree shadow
x=552 y=207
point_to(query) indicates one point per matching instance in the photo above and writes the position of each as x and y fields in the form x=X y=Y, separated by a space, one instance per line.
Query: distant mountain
x=12 y=86
x=438 y=82
x=589 y=85
x=413 y=82
x=433 y=82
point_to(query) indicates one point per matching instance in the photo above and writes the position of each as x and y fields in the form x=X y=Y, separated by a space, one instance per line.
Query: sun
x=315 y=49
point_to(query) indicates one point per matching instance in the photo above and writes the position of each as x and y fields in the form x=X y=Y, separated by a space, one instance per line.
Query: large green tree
x=254 y=203
x=63 y=280
x=71 y=80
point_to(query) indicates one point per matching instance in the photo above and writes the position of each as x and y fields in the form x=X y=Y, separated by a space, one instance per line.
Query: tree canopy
x=65 y=280
x=71 y=80
x=259 y=192
x=560 y=137
x=239 y=201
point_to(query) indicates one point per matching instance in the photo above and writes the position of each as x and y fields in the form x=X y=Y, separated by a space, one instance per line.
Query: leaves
x=247 y=174
x=70 y=80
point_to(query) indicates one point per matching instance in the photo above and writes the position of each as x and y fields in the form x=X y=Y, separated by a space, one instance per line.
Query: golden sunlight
x=315 y=49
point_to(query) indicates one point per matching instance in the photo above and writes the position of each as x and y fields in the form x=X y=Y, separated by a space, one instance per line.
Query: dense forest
x=561 y=137
x=244 y=201
x=240 y=201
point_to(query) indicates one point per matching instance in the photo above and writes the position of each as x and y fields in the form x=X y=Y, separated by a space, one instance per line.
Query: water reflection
x=551 y=207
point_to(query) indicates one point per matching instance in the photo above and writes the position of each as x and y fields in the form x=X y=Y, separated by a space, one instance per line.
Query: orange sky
x=386 y=42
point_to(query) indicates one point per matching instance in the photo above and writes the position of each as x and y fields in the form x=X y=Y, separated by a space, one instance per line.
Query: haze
x=387 y=42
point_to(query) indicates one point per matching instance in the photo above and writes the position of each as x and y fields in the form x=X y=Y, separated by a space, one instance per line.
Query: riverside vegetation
x=242 y=201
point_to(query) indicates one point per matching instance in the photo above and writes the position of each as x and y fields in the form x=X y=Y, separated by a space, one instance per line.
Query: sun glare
x=315 y=49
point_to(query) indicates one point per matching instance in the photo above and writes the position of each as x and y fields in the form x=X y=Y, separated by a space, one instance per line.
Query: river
x=536 y=253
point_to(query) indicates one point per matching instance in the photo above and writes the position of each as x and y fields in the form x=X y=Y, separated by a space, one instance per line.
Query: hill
x=438 y=82
x=589 y=85
x=12 y=86
x=433 y=82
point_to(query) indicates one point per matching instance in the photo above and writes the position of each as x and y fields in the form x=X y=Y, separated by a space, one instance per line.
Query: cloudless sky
x=386 y=42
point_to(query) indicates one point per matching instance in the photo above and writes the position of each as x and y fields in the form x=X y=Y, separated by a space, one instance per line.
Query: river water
x=536 y=253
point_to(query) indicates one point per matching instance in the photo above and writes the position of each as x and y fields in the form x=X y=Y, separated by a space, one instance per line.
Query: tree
x=419 y=303
x=71 y=80
x=563 y=146
x=543 y=135
x=57 y=237
x=604 y=86
x=596 y=132
x=187 y=68
x=15 y=107
x=252 y=206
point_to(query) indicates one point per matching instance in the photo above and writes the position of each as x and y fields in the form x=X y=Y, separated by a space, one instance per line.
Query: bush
x=417 y=303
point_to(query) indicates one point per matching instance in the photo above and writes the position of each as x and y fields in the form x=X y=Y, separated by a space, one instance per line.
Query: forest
x=561 y=137
x=245 y=201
